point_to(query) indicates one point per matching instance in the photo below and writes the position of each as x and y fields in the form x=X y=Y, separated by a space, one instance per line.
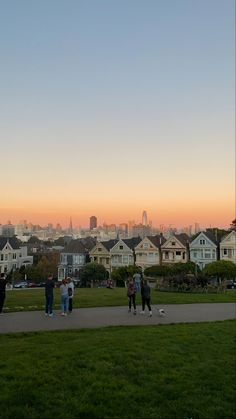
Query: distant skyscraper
x=93 y=222
x=144 y=218
x=70 y=231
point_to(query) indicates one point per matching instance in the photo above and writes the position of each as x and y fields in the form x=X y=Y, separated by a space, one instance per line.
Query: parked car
x=32 y=285
x=22 y=284
x=231 y=285
x=41 y=284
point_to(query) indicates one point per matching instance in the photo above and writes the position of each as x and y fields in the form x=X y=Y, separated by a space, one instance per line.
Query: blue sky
x=103 y=91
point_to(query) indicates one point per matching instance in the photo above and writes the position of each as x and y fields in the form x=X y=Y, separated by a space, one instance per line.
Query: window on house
x=107 y=261
x=178 y=253
x=121 y=247
x=195 y=254
x=125 y=259
x=6 y=257
x=145 y=245
x=99 y=249
x=166 y=255
x=172 y=243
x=1 y=257
x=202 y=241
x=207 y=255
x=14 y=256
x=225 y=251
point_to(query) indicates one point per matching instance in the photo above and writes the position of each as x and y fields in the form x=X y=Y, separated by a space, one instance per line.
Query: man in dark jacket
x=3 y=283
x=49 y=286
x=146 y=296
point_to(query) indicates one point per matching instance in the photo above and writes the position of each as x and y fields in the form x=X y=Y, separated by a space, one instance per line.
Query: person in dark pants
x=131 y=293
x=146 y=297
x=49 y=286
x=3 y=283
x=71 y=290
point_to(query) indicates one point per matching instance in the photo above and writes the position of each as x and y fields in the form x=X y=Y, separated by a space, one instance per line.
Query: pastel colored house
x=175 y=249
x=13 y=255
x=203 y=249
x=73 y=257
x=228 y=247
x=148 y=251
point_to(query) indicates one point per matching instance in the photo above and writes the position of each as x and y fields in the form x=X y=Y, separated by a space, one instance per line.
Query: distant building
x=144 y=218
x=93 y=222
x=8 y=230
x=13 y=255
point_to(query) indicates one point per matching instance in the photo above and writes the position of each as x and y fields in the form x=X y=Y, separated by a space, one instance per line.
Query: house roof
x=109 y=243
x=133 y=242
x=158 y=240
x=183 y=238
x=13 y=241
x=75 y=246
x=208 y=234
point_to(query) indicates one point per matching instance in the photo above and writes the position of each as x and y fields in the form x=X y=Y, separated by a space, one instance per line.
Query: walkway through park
x=31 y=321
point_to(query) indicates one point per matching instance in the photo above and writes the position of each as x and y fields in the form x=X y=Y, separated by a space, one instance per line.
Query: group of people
x=67 y=290
x=137 y=284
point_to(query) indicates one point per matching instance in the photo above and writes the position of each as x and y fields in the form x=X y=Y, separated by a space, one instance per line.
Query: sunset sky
x=112 y=107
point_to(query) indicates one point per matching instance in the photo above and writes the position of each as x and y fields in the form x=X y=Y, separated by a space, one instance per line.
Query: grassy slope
x=174 y=371
x=99 y=297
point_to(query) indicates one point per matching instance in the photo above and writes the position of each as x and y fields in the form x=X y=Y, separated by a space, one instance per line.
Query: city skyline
x=110 y=108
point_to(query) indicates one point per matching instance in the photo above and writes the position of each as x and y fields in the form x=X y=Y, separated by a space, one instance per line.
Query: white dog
x=161 y=312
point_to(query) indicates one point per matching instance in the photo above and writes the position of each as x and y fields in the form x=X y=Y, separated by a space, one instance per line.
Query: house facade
x=115 y=253
x=228 y=247
x=203 y=249
x=101 y=253
x=12 y=255
x=123 y=252
x=73 y=257
x=175 y=249
x=148 y=251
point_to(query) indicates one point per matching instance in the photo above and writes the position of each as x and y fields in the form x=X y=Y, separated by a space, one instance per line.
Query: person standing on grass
x=146 y=297
x=131 y=292
x=49 y=286
x=71 y=290
x=137 y=281
x=3 y=283
x=64 y=297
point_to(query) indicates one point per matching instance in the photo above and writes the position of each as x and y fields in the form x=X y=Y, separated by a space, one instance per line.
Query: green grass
x=33 y=299
x=157 y=372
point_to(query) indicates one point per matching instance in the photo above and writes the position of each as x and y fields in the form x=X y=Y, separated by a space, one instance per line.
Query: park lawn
x=33 y=299
x=174 y=371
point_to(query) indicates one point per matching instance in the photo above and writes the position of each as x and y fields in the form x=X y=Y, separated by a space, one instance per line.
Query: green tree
x=121 y=274
x=92 y=273
x=221 y=269
x=158 y=271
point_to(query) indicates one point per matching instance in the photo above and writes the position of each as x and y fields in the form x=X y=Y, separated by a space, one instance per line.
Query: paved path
x=115 y=316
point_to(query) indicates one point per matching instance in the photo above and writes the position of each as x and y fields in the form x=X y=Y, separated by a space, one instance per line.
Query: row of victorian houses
x=152 y=250
x=146 y=252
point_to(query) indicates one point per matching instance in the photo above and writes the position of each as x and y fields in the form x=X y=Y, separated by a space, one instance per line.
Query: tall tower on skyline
x=70 y=227
x=144 y=218
x=92 y=222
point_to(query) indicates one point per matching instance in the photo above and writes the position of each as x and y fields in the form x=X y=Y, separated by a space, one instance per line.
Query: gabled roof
x=132 y=243
x=226 y=237
x=13 y=241
x=109 y=243
x=158 y=240
x=183 y=238
x=88 y=242
x=207 y=234
x=75 y=246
